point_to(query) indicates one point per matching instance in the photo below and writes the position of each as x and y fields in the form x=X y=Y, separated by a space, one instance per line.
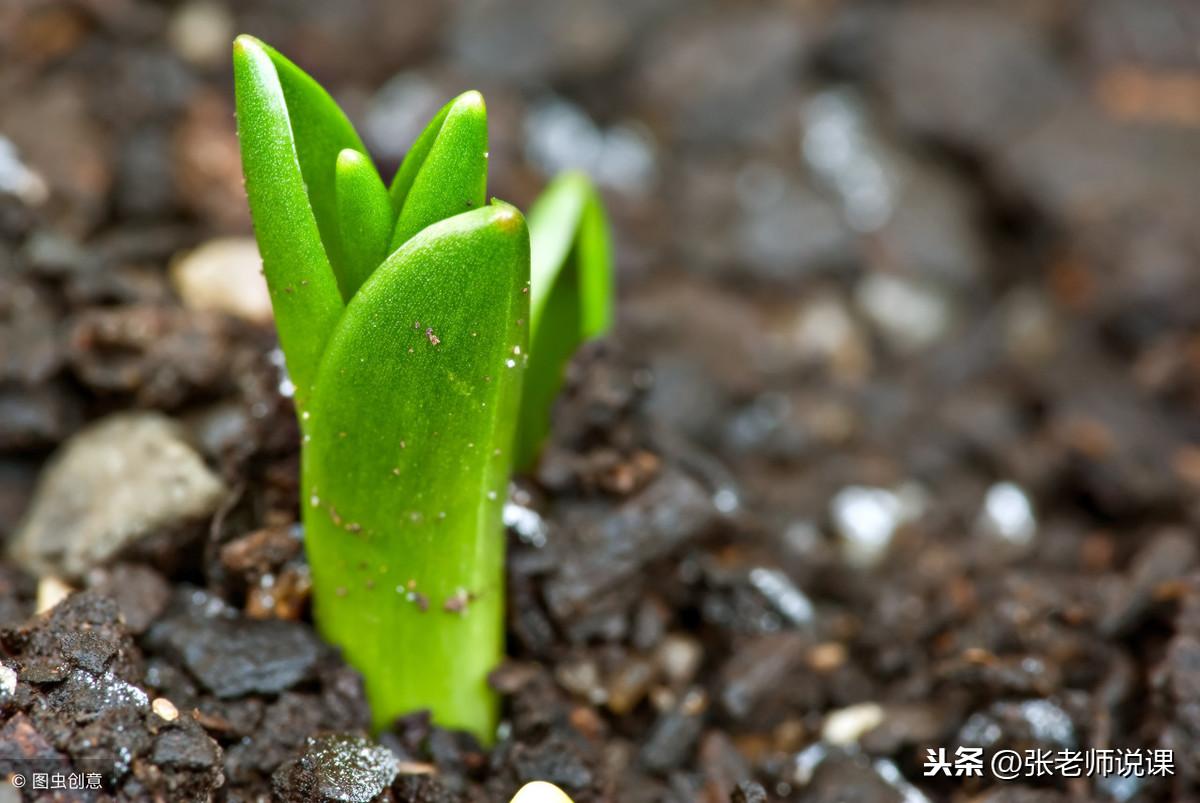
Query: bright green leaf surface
x=304 y=293
x=364 y=219
x=321 y=132
x=406 y=467
x=572 y=296
x=445 y=171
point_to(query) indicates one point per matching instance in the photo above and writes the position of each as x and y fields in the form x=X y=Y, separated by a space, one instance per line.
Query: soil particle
x=971 y=274
x=232 y=656
x=612 y=551
x=20 y=741
x=1167 y=557
x=337 y=767
x=674 y=735
x=752 y=676
x=122 y=479
x=163 y=356
x=748 y=792
x=140 y=592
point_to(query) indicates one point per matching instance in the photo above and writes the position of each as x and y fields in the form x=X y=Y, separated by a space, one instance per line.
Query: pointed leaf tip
x=445 y=171
x=572 y=296
x=364 y=213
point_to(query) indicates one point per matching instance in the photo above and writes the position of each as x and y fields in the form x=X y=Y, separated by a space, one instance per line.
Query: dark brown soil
x=895 y=445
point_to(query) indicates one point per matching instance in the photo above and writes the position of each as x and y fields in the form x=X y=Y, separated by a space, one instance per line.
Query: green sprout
x=572 y=296
x=405 y=314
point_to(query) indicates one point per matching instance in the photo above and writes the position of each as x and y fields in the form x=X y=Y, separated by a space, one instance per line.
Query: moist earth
x=893 y=448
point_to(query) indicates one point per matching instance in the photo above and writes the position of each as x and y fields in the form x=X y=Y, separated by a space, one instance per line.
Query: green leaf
x=406 y=467
x=290 y=134
x=572 y=296
x=364 y=219
x=445 y=171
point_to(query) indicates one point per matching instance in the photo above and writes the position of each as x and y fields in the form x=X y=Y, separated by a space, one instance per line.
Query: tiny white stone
x=224 y=275
x=540 y=792
x=1008 y=514
x=867 y=518
x=846 y=726
x=165 y=709
x=8 y=680
x=50 y=592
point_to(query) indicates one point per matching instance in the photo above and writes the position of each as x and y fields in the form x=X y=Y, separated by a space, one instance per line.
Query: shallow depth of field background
x=917 y=284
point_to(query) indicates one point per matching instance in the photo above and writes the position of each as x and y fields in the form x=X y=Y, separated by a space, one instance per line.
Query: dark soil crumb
x=892 y=448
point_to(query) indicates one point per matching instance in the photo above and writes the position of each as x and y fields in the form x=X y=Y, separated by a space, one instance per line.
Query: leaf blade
x=304 y=294
x=422 y=428
x=572 y=296
x=321 y=131
x=364 y=219
x=445 y=172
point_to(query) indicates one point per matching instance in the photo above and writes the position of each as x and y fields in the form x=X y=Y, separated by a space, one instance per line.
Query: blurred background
x=913 y=285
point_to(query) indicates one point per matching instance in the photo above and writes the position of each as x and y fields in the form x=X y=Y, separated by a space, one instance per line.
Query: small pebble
x=1008 y=514
x=50 y=592
x=540 y=792
x=224 y=275
x=867 y=518
x=8 y=680
x=846 y=726
x=165 y=709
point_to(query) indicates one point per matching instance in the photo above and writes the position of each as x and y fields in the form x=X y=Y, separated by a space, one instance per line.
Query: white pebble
x=846 y=726
x=50 y=592
x=165 y=709
x=1007 y=513
x=8 y=680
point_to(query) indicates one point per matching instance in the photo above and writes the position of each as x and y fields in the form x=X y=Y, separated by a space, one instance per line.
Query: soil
x=893 y=447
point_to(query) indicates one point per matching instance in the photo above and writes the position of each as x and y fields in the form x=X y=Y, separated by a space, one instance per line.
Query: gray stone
x=119 y=480
x=337 y=767
x=231 y=655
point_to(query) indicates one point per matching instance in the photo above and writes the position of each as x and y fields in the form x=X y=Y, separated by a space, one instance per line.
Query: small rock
x=232 y=656
x=911 y=315
x=121 y=479
x=783 y=594
x=50 y=592
x=607 y=553
x=867 y=518
x=224 y=275
x=846 y=726
x=679 y=657
x=164 y=709
x=20 y=742
x=18 y=179
x=754 y=673
x=1008 y=514
x=8 y=680
x=140 y=592
x=187 y=749
x=629 y=685
x=86 y=694
x=674 y=735
x=748 y=792
x=337 y=767
x=200 y=32
x=162 y=355
x=839 y=148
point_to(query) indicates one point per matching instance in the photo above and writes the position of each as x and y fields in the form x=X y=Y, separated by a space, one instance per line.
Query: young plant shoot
x=404 y=313
x=572 y=298
x=401 y=313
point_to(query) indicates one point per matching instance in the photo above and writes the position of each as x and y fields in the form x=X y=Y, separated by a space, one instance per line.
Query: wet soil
x=894 y=446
